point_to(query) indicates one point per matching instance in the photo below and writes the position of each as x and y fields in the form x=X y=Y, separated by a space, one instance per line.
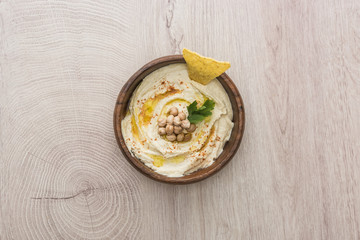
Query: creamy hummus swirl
x=162 y=89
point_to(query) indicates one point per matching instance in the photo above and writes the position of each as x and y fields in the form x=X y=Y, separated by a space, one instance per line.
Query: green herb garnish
x=197 y=115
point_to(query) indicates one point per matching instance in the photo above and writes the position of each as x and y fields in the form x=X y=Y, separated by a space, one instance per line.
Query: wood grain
x=295 y=176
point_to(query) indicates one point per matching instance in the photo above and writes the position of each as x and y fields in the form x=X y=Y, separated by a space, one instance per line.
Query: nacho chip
x=202 y=69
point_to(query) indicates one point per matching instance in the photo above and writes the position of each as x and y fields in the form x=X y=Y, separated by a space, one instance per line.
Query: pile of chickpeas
x=176 y=126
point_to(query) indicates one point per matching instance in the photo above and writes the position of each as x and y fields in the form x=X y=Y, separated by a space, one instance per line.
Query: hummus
x=164 y=88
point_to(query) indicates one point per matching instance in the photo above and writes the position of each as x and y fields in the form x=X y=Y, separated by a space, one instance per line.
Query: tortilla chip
x=202 y=69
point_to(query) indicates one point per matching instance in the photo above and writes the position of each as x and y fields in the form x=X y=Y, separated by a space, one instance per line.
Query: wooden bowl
x=230 y=147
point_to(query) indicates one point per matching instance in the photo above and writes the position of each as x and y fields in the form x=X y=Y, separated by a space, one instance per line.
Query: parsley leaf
x=196 y=118
x=209 y=104
x=197 y=115
x=192 y=107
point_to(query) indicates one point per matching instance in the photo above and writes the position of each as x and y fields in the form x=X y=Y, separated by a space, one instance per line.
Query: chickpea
x=178 y=129
x=162 y=122
x=177 y=121
x=180 y=137
x=192 y=128
x=171 y=137
x=170 y=119
x=185 y=124
x=162 y=131
x=169 y=129
x=182 y=116
x=187 y=137
x=173 y=111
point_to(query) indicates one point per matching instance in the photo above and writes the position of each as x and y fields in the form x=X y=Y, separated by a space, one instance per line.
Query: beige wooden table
x=295 y=176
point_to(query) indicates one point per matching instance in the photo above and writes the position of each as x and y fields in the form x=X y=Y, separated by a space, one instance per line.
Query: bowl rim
x=137 y=163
